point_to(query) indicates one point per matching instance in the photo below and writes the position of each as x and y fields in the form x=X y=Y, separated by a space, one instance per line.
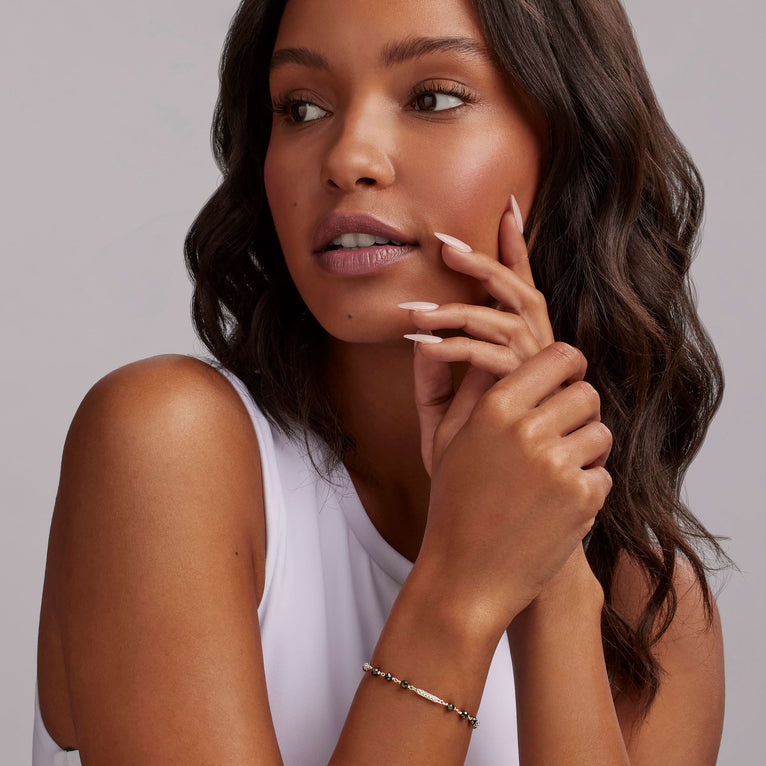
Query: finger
x=493 y=359
x=507 y=287
x=433 y=394
x=514 y=254
x=540 y=376
x=512 y=245
x=601 y=481
x=591 y=444
x=438 y=406
x=600 y=461
x=572 y=407
x=488 y=324
x=475 y=384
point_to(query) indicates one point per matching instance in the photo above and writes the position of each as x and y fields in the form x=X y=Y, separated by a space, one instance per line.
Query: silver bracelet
x=472 y=720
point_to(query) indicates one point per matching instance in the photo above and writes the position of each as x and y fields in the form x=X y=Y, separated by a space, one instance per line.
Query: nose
x=358 y=154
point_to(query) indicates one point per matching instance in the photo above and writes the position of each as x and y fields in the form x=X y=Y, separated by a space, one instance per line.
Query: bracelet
x=472 y=720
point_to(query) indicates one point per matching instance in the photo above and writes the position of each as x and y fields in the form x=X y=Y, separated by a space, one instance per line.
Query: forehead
x=356 y=27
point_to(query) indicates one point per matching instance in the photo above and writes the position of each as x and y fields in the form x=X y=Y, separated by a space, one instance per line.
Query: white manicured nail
x=517 y=213
x=419 y=306
x=424 y=338
x=458 y=244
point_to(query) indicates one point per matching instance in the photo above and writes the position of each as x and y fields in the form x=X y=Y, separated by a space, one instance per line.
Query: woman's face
x=392 y=109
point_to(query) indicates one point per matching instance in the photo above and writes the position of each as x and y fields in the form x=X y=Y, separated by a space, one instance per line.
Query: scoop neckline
x=394 y=564
x=390 y=560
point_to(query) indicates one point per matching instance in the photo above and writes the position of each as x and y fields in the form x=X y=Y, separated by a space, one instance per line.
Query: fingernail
x=517 y=213
x=424 y=338
x=453 y=242
x=419 y=306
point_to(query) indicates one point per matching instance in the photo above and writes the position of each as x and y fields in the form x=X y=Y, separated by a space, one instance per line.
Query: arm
x=438 y=646
x=159 y=536
x=565 y=707
x=153 y=533
x=564 y=704
x=685 y=723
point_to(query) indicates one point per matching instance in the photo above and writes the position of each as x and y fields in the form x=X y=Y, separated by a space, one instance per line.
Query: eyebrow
x=392 y=54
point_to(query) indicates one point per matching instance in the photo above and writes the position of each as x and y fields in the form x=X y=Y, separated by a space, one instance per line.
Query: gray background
x=105 y=162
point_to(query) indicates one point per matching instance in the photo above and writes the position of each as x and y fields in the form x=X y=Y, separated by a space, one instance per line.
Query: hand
x=513 y=338
x=520 y=333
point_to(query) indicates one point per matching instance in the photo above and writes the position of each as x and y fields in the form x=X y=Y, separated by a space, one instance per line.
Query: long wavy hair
x=616 y=222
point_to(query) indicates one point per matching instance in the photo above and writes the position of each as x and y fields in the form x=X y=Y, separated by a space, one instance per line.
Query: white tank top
x=331 y=580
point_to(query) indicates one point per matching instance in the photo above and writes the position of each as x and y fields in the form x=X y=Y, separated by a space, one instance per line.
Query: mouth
x=361 y=261
x=359 y=240
x=359 y=232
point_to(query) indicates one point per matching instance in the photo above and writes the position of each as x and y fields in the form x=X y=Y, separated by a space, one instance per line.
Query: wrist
x=553 y=615
x=574 y=590
x=575 y=598
x=465 y=617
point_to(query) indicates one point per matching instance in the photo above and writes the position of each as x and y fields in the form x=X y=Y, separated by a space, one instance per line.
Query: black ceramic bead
x=464 y=715
x=405 y=684
x=388 y=676
x=450 y=706
x=375 y=671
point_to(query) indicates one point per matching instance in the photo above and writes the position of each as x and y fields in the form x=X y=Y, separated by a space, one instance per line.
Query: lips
x=336 y=224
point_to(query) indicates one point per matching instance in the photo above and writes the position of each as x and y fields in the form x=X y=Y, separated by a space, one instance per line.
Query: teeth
x=357 y=240
x=351 y=241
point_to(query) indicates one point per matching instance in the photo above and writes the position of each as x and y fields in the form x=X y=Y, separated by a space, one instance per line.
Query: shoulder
x=166 y=442
x=171 y=404
x=631 y=591
x=686 y=718
x=163 y=390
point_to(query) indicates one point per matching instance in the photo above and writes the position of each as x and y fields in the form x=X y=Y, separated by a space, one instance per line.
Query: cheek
x=478 y=182
x=280 y=190
x=474 y=181
x=286 y=189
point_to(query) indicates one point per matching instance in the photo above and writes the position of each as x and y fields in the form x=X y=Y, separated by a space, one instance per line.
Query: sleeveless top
x=331 y=580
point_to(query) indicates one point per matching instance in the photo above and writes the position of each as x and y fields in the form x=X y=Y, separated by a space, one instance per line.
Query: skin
x=363 y=148
x=449 y=158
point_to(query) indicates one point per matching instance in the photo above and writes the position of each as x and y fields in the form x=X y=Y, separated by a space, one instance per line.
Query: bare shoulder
x=685 y=722
x=170 y=421
x=154 y=527
x=169 y=391
x=631 y=590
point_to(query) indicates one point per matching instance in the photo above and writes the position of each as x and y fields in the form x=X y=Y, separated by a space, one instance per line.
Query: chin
x=366 y=331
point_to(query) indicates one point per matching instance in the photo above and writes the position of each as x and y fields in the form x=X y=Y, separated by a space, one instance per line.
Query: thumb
x=439 y=406
x=433 y=393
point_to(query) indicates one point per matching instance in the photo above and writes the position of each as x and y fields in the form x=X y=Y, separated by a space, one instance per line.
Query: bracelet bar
x=473 y=721
x=428 y=696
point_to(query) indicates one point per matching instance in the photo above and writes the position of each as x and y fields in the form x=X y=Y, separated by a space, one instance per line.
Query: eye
x=435 y=102
x=431 y=97
x=298 y=111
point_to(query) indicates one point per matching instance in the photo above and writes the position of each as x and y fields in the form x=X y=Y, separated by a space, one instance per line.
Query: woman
x=264 y=565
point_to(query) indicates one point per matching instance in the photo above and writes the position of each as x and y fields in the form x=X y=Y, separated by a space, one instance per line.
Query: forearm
x=564 y=704
x=423 y=644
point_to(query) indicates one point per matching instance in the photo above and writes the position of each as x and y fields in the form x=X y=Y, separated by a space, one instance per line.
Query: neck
x=372 y=386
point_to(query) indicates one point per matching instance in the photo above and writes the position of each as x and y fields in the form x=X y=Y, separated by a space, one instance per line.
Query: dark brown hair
x=616 y=222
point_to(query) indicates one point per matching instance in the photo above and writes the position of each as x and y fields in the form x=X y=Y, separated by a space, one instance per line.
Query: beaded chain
x=472 y=720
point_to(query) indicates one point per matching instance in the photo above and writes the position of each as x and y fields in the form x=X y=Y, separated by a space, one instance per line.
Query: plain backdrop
x=105 y=162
